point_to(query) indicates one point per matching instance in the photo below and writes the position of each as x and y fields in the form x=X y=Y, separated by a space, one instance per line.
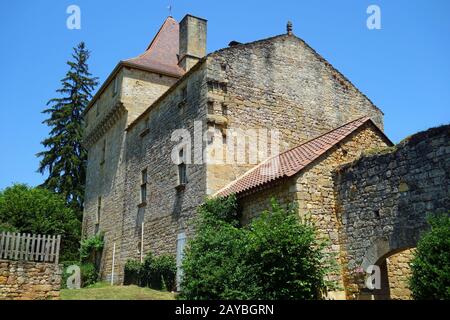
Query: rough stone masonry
x=21 y=280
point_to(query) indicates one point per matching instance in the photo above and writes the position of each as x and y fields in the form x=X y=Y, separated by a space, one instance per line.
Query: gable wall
x=281 y=84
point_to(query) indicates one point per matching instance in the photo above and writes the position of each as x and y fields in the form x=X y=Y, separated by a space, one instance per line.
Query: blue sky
x=404 y=68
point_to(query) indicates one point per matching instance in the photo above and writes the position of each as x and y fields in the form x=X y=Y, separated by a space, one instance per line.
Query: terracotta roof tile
x=292 y=161
x=162 y=53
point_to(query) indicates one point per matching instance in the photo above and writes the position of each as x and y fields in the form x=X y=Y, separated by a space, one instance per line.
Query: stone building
x=153 y=127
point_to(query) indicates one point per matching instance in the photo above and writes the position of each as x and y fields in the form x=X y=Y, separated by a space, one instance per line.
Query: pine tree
x=65 y=158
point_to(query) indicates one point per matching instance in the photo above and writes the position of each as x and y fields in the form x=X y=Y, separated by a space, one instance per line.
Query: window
x=146 y=127
x=98 y=216
x=182 y=176
x=115 y=86
x=144 y=187
x=224 y=109
x=184 y=96
x=210 y=107
x=103 y=159
x=97 y=109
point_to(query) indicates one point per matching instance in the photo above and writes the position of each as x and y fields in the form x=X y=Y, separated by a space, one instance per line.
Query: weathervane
x=170 y=9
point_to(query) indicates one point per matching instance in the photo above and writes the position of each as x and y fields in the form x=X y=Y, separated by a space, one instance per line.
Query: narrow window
x=98 y=216
x=103 y=159
x=224 y=109
x=210 y=107
x=182 y=177
x=144 y=187
x=115 y=86
x=97 y=109
x=184 y=94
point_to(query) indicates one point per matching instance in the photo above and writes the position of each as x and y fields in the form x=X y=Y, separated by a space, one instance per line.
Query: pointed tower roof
x=162 y=53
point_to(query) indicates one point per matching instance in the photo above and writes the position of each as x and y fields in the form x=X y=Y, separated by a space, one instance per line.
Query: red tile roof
x=162 y=53
x=292 y=161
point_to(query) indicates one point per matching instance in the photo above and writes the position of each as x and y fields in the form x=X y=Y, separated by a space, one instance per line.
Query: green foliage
x=5 y=227
x=89 y=274
x=90 y=247
x=132 y=272
x=40 y=211
x=165 y=271
x=430 y=266
x=277 y=256
x=155 y=272
x=65 y=158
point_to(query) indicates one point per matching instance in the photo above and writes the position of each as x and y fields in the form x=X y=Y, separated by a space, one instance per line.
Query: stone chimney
x=192 y=41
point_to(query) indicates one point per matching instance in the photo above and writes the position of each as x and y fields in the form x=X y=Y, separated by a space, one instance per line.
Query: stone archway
x=393 y=263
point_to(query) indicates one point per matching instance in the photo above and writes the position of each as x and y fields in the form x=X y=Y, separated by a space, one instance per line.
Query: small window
x=210 y=107
x=97 y=109
x=224 y=109
x=182 y=177
x=144 y=187
x=146 y=127
x=184 y=96
x=98 y=215
x=103 y=159
x=115 y=86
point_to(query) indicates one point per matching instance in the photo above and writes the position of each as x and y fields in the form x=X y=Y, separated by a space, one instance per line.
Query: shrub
x=155 y=272
x=39 y=211
x=133 y=272
x=277 y=256
x=5 y=227
x=91 y=247
x=89 y=274
x=430 y=265
x=165 y=269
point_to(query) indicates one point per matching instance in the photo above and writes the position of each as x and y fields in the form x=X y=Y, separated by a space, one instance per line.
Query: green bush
x=91 y=247
x=89 y=274
x=39 y=211
x=158 y=273
x=277 y=256
x=5 y=227
x=165 y=270
x=132 y=272
x=430 y=265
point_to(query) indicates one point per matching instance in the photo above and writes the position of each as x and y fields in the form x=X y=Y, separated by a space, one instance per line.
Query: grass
x=104 y=291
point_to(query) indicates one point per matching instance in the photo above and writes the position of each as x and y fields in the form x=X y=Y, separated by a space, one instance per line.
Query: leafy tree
x=430 y=265
x=65 y=158
x=40 y=211
x=278 y=256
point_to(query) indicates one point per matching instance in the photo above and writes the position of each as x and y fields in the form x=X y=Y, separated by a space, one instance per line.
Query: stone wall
x=20 y=280
x=168 y=208
x=383 y=200
x=399 y=272
x=105 y=176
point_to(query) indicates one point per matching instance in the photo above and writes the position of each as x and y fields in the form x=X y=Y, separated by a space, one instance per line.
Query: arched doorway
x=394 y=272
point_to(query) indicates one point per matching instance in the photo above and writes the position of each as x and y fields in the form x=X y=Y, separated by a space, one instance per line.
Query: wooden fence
x=27 y=247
